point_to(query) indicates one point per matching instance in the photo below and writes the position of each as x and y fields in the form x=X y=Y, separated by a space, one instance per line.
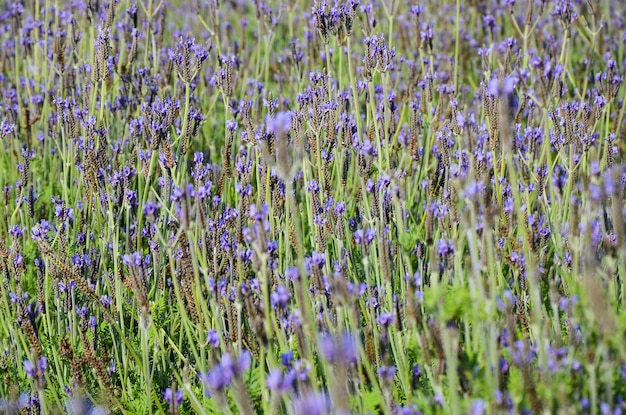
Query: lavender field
x=312 y=207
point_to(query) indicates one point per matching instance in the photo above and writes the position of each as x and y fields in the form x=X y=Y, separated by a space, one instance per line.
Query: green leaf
x=457 y=302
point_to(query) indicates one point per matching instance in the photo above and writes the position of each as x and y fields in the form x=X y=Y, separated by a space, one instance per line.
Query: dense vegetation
x=312 y=207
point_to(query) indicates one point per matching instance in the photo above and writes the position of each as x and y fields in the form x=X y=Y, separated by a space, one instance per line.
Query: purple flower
x=472 y=190
x=605 y=408
x=279 y=123
x=170 y=396
x=105 y=300
x=228 y=369
x=198 y=158
x=150 y=208
x=15 y=231
x=327 y=347
x=287 y=359
x=280 y=298
x=181 y=56
x=213 y=338
x=313 y=187
x=279 y=382
x=340 y=208
x=292 y=274
x=358 y=236
x=477 y=407
x=445 y=248
x=231 y=125
x=368 y=149
x=349 y=348
x=235 y=368
x=385 y=319
x=364 y=237
x=30 y=369
x=564 y=10
x=274 y=379
x=502 y=89
x=6 y=128
x=36 y=233
x=312 y=404
x=489 y=21
x=216 y=380
x=584 y=404
x=342 y=350
x=37 y=371
x=258 y=214
x=133 y=260
x=387 y=373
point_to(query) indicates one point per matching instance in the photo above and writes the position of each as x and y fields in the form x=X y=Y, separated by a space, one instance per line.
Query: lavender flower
x=36 y=370
x=312 y=404
x=279 y=123
x=173 y=397
x=279 y=382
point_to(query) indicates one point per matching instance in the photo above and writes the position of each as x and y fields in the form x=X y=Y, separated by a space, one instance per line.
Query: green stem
x=457 y=45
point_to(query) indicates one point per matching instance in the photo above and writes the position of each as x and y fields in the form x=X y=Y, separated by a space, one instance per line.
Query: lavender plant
x=312 y=207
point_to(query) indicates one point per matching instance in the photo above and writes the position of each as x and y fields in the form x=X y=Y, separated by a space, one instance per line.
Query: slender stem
x=457 y=45
x=355 y=97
